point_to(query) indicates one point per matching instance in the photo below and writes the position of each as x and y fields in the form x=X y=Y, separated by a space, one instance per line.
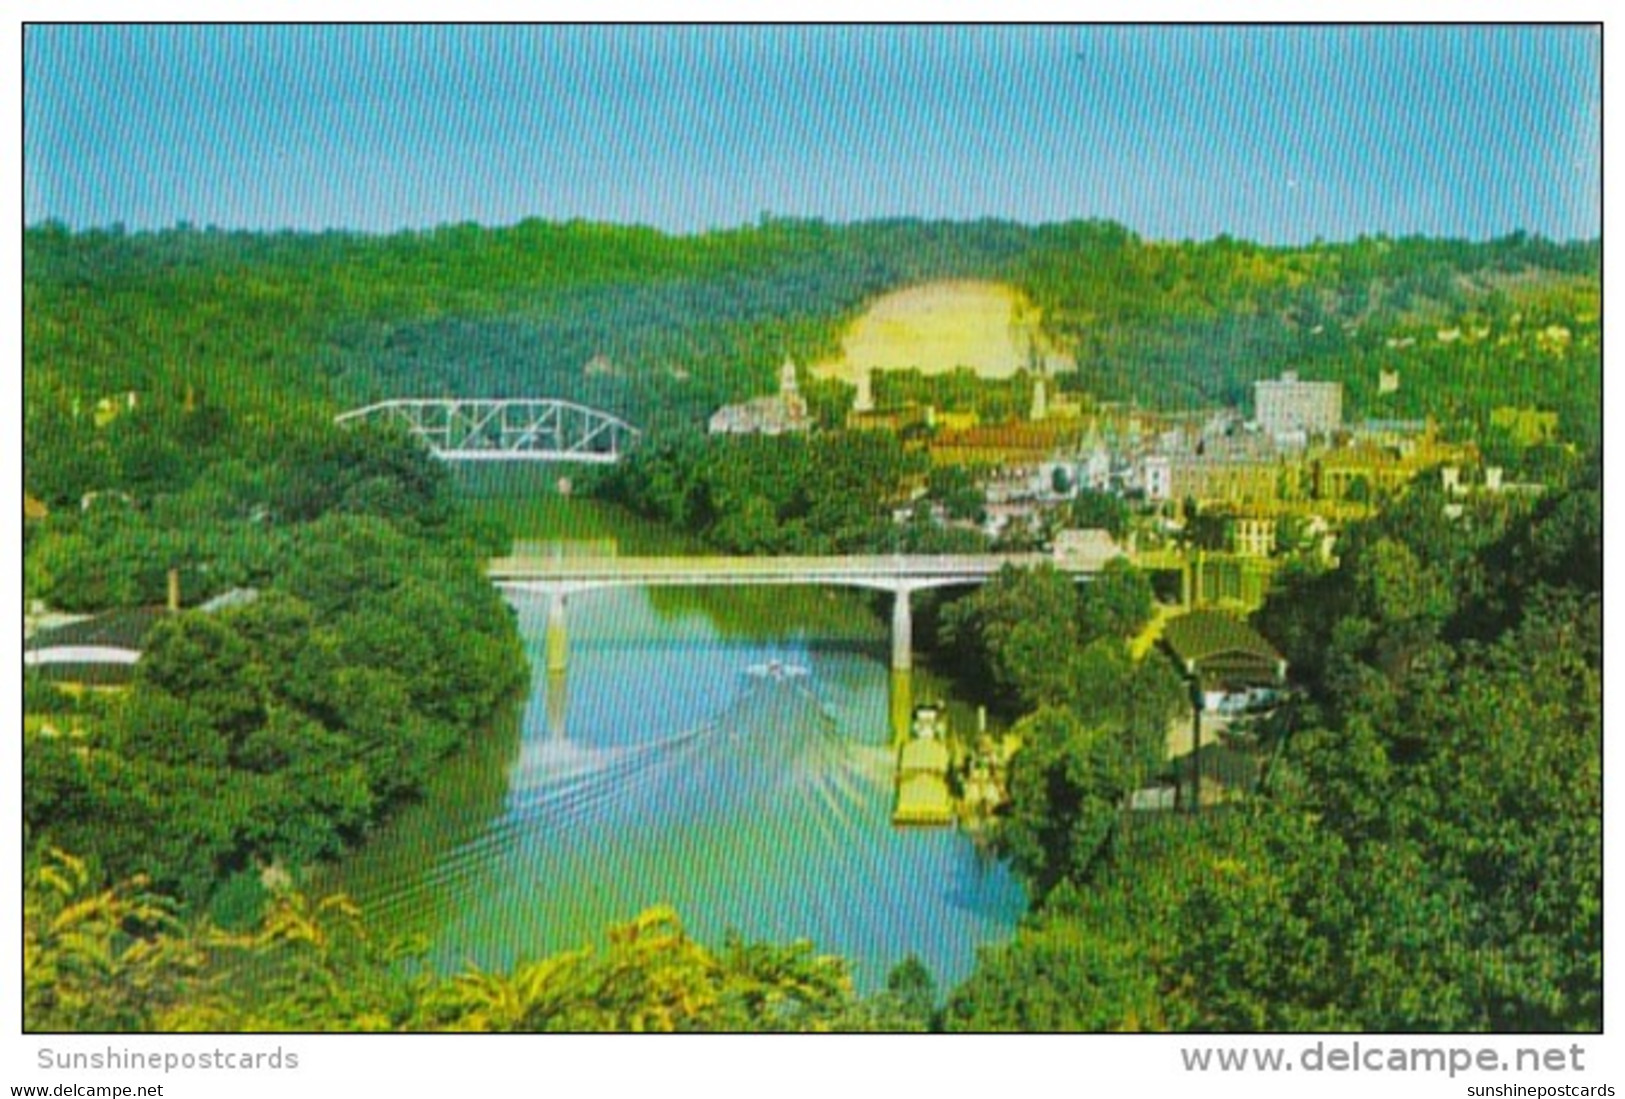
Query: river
x=660 y=770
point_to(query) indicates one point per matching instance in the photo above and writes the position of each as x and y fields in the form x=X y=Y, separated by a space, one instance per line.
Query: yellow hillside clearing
x=935 y=327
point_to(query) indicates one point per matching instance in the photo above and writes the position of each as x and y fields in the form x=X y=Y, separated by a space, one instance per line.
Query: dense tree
x=1067 y=785
x=1059 y=977
x=1426 y=854
x=1433 y=857
x=1115 y=603
x=125 y=959
x=212 y=331
x=955 y=488
x=772 y=494
x=1091 y=510
x=1015 y=634
x=362 y=646
x=203 y=663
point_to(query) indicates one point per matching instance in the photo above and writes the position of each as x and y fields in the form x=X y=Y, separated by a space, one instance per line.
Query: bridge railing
x=860 y=570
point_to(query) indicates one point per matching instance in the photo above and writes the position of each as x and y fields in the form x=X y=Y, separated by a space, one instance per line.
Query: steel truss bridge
x=508 y=429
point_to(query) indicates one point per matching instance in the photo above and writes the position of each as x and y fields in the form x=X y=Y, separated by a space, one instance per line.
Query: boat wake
x=772 y=817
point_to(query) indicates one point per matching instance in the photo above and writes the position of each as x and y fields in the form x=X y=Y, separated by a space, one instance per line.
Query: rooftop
x=1212 y=643
x=120 y=629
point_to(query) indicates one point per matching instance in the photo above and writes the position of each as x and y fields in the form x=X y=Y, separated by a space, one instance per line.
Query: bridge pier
x=558 y=704
x=558 y=640
x=902 y=664
x=902 y=705
x=902 y=631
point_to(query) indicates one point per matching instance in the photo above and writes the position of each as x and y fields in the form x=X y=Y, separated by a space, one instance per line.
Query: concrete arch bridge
x=899 y=574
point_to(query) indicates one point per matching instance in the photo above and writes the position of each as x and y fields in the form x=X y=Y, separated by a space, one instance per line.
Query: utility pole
x=1196 y=743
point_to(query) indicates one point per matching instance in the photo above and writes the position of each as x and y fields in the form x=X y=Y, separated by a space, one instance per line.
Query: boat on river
x=922 y=770
x=777 y=670
x=982 y=791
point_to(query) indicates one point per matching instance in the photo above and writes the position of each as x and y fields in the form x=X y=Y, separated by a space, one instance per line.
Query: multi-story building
x=1157 y=477
x=1361 y=471
x=1288 y=406
x=1212 y=480
x=1017 y=445
x=1253 y=535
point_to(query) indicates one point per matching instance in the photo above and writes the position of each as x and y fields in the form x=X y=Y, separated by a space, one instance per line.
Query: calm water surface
x=660 y=771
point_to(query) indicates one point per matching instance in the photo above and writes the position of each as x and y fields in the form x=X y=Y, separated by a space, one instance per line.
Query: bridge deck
x=888 y=572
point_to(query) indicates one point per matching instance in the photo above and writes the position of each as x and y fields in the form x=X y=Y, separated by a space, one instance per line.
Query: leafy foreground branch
x=121 y=958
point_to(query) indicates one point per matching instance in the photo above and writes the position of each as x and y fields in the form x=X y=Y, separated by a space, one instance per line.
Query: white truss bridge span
x=505 y=429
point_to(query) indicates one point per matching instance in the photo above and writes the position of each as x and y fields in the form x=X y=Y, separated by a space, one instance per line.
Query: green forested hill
x=245 y=332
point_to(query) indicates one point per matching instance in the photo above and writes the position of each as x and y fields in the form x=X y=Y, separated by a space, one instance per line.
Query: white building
x=1095 y=472
x=1288 y=406
x=1158 y=476
x=777 y=415
x=1085 y=545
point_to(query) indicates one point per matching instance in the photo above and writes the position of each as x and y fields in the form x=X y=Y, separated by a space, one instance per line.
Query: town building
x=1253 y=535
x=1020 y=445
x=864 y=399
x=1157 y=478
x=1210 y=479
x=1091 y=544
x=912 y=417
x=102 y=650
x=1227 y=660
x=1094 y=471
x=1526 y=426
x=1361 y=471
x=1290 y=407
x=1404 y=434
x=780 y=414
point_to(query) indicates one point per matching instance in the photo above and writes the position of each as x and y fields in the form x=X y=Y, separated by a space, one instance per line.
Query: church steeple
x=790 y=398
x=1040 y=409
x=865 y=399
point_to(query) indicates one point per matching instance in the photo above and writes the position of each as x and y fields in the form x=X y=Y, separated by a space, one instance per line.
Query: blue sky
x=1273 y=134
